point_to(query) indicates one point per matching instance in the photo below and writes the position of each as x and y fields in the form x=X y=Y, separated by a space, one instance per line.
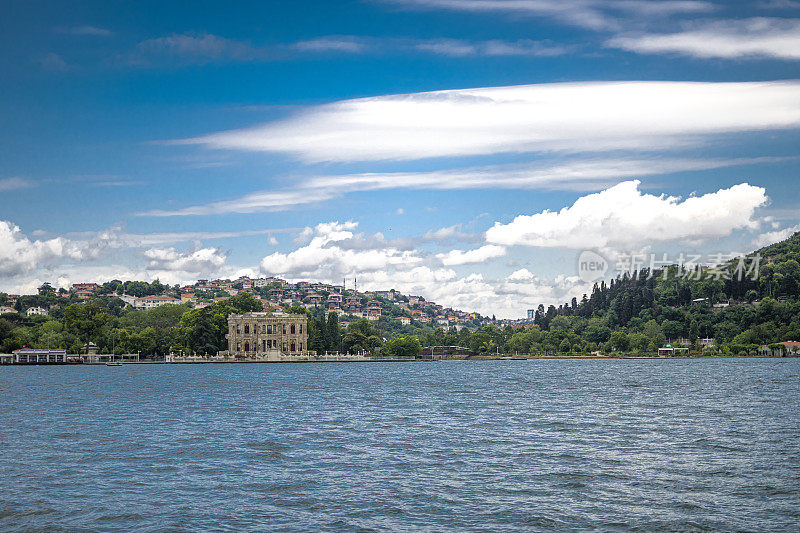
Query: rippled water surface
x=462 y=445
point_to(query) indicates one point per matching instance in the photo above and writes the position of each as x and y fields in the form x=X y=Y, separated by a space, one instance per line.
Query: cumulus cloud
x=624 y=217
x=566 y=117
x=203 y=260
x=508 y=297
x=333 y=252
x=478 y=255
x=728 y=39
x=20 y=255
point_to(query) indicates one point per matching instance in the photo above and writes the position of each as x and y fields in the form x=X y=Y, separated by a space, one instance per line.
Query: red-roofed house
x=781 y=349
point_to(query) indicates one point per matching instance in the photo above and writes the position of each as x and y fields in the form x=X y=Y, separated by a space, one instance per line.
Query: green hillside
x=646 y=310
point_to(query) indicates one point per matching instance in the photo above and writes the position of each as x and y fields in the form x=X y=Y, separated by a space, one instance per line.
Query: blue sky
x=425 y=145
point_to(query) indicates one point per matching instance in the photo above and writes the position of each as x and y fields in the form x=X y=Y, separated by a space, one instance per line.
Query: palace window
x=246 y=330
x=247 y=347
x=292 y=330
x=292 y=347
x=263 y=329
x=238 y=346
x=269 y=329
x=263 y=346
x=284 y=346
x=238 y=328
x=301 y=332
x=284 y=329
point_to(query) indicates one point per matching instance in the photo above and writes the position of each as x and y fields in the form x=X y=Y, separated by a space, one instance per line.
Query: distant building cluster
x=276 y=295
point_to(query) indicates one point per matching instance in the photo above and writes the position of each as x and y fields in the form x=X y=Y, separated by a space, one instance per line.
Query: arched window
x=247 y=347
x=292 y=330
x=246 y=329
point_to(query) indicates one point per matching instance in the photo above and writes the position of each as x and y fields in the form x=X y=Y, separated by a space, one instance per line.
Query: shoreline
x=412 y=360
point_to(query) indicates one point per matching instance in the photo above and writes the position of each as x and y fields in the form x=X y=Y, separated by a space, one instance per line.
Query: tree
x=672 y=329
x=333 y=333
x=402 y=346
x=620 y=341
x=86 y=319
x=46 y=289
x=360 y=336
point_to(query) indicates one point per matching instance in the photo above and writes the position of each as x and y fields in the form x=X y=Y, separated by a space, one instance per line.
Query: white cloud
x=478 y=255
x=624 y=217
x=20 y=255
x=580 y=175
x=335 y=251
x=92 y=31
x=521 y=275
x=492 y=48
x=506 y=297
x=203 y=260
x=54 y=62
x=450 y=233
x=591 y=14
x=332 y=254
x=771 y=237
x=14 y=183
x=567 y=117
x=730 y=39
x=195 y=48
x=336 y=43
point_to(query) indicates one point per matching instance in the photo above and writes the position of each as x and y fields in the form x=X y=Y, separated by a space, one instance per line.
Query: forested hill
x=724 y=303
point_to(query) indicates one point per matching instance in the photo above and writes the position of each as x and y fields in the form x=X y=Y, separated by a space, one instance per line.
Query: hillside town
x=275 y=294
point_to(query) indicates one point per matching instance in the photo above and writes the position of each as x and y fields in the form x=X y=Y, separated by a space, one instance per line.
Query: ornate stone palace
x=267 y=334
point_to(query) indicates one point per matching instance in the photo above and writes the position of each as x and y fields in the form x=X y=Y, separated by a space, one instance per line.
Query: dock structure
x=30 y=356
x=47 y=356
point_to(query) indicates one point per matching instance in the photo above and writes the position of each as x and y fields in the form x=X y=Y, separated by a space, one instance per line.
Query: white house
x=151 y=302
x=36 y=311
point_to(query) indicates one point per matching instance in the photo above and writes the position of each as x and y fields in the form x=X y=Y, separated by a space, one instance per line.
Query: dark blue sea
x=608 y=445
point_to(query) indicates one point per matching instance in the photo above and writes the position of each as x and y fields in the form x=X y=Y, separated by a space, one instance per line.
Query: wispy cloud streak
x=574 y=175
